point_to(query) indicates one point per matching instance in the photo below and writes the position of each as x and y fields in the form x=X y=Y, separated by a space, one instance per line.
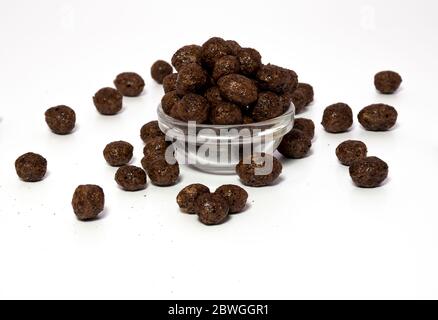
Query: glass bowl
x=218 y=148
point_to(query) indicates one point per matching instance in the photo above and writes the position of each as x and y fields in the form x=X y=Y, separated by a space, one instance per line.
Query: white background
x=313 y=235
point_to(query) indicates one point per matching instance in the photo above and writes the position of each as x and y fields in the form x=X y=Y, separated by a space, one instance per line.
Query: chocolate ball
x=274 y=78
x=350 y=151
x=268 y=106
x=214 y=49
x=193 y=107
x=129 y=84
x=186 y=198
x=191 y=79
x=224 y=66
x=154 y=148
x=31 y=167
x=250 y=61
x=163 y=173
x=286 y=100
x=305 y=125
x=131 y=178
x=295 y=144
x=378 y=117
x=337 y=118
x=238 y=89
x=213 y=95
x=226 y=113
x=88 y=201
x=302 y=96
x=61 y=119
x=150 y=130
x=259 y=170
x=298 y=98
x=169 y=82
x=108 y=101
x=159 y=70
x=186 y=55
x=211 y=208
x=169 y=100
x=234 y=47
x=368 y=172
x=118 y=153
x=234 y=195
x=387 y=82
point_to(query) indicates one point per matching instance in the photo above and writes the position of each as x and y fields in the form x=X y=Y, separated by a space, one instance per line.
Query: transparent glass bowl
x=218 y=148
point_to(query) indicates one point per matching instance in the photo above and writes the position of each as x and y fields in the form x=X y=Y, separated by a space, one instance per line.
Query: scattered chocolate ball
x=159 y=70
x=387 y=82
x=213 y=95
x=255 y=171
x=163 y=173
x=186 y=55
x=368 y=172
x=277 y=79
x=337 y=118
x=226 y=113
x=169 y=100
x=129 y=84
x=268 y=106
x=238 y=89
x=305 y=125
x=302 y=96
x=31 y=167
x=250 y=61
x=169 y=82
x=378 y=117
x=118 y=153
x=150 y=130
x=234 y=195
x=350 y=151
x=61 y=119
x=193 y=107
x=191 y=79
x=154 y=148
x=211 y=208
x=131 y=178
x=214 y=49
x=224 y=66
x=186 y=198
x=88 y=201
x=295 y=144
x=234 y=47
x=108 y=101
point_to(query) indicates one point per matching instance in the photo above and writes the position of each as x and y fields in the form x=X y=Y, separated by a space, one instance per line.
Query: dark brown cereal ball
x=274 y=78
x=169 y=82
x=350 y=151
x=214 y=49
x=236 y=197
x=211 y=208
x=169 y=100
x=155 y=148
x=268 y=106
x=305 y=125
x=163 y=173
x=286 y=100
x=191 y=79
x=238 y=89
x=378 y=117
x=226 y=113
x=307 y=90
x=186 y=198
x=118 y=153
x=259 y=170
x=250 y=61
x=160 y=69
x=129 y=84
x=31 y=167
x=150 y=130
x=368 y=172
x=88 y=201
x=234 y=47
x=174 y=112
x=193 y=107
x=131 y=178
x=298 y=98
x=61 y=119
x=387 y=82
x=108 y=101
x=213 y=95
x=295 y=144
x=186 y=55
x=337 y=118
x=224 y=66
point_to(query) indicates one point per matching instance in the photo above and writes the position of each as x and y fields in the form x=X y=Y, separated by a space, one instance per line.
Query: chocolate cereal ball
x=234 y=47
x=368 y=172
x=88 y=201
x=211 y=208
x=31 y=167
x=378 y=117
x=193 y=107
x=129 y=84
x=286 y=100
x=306 y=126
x=214 y=49
x=163 y=173
x=224 y=66
x=169 y=82
x=238 y=89
x=387 y=82
x=169 y=100
x=250 y=61
x=259 y=170
x=131 y=178
x=350 y=151
x=213 y=95
x=268 y=106
x=235 y=196
x=302 y=96
x=295 y=144
x=226 y=113
x=154 y=148
x=186 y=55
x=160 y=69
x=277 y=79
x=186 y=198
x=337 y=118
x=150 y=130
x=118 y=153
x=61 y=119
x=108 y=101
x=191 y=79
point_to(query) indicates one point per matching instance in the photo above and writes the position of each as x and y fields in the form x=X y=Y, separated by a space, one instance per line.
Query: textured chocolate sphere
x=226 y=113
x=213 y=95
x=131 y=178
x=214 y=49
x=234 y=47
x=305 y=125
x=108 y=101
x=193 y=107
x=350 y=151
x=277 y=79
x=186 y=55
x=259 y=170
x=169 y=100
x=169 y=82
x=129 y=84
x=191 y=79
x=118 y=153
x=268 y=106
x=162 y=173
x=160 y=69
x=295 y=144
x=155 y=148
x=150 y=130
x=186 y=198
x=378 y=117
x=31 y=167
x=337 y=118
x=238 y=89
x=236 y=197
x=88 y=201
x=211 y=208
x=387 y=82
x=302 y=96
x=368 y=172
x=61 y=119
x=250 y=61
x=224 y=66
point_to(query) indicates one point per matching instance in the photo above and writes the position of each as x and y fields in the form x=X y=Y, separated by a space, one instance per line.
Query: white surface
x=314 y=235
